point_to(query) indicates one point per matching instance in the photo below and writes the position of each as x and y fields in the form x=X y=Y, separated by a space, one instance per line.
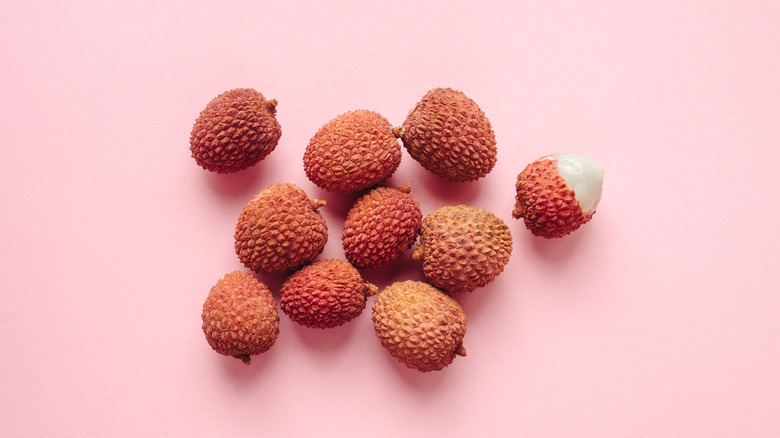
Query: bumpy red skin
x=352 y=152
x=463 y=248
x=450 y=136
x=237 y=129
x=240 y=317
x=419 y=325
x=325 y=294
x=547 y=206
x=381 y=226
x=280 y=230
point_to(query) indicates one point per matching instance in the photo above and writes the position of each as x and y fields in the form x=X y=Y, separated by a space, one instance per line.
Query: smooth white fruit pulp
x=584 y=176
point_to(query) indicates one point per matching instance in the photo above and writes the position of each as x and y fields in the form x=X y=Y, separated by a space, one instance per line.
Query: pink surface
x=659 y=318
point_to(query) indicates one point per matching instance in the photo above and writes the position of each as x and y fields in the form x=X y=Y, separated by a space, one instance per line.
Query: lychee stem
x=406 y=188
x=317 y=203
x=272 y=105
x=244 y=358
x=398 y=131
x=461 y=350
x=418 y=253
x=371 y=289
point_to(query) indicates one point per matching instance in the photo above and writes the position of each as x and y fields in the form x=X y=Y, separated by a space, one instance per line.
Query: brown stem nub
x=244 y=358
x=398 y=131
x=461 y=350
x=316 y=203
x=371 y=289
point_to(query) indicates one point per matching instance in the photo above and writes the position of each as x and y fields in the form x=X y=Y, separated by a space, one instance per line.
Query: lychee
x=240 y=317
x=280 y=230
x=237 y=129
x=381 y=226
x=450 y=136
x=325 y=294
x=558 y=193
x=462 y=247
x=419 y=325
x=352 y=152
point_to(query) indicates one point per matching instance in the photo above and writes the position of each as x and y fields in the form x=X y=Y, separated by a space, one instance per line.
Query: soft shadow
x=244 y=376
x=402 y=269
x=425 y=383
x=325 y=341
x=473 y=302
x=246 y=183
x=337 y=205
x=555 y=251
x=450 y=192
x=273 y=281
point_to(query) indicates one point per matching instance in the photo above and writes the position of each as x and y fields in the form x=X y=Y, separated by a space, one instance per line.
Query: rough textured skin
x=325 y=294
x=419 y=325
x=280 y=230
x=352 y=152
x=450 y=136
x=547 y=206
x=237 y=129
x=463 y=248
x=381 y=226
x=240 y=318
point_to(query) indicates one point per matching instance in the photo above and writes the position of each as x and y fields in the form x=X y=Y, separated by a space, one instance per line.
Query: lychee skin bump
x=450 y=135
x=463 y=248
x=352 y=152
x=240 y=318
x=419 y=325
x=381 y=226
x=280 y=230
x=325 y=294
x=235 y=131
x=551 y=193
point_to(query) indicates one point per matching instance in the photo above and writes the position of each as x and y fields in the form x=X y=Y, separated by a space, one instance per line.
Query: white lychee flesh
x=584 y=176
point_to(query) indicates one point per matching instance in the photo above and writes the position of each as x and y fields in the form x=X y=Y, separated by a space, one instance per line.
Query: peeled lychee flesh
x=558 y=193
x=381 y=226
x=240 y=317
x=450 y=136
x=325 y=294
x=419 y=325
x=280 y=230
x=352 y=152
x=463 y=247
x=236 y=130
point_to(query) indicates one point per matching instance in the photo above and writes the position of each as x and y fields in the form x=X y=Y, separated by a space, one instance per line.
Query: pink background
x=660 y=318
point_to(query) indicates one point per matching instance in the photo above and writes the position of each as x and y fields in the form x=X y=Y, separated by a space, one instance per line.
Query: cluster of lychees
x=461 y=248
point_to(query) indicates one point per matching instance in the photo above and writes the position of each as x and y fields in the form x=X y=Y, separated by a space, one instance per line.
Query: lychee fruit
x=280 y=230
x=240 y=317
x=352 y=152
x=381 y=226
x=325 y=294
x=237 y=129
x=419 y=325
x=558 y=193
x=450 y=136
x=462 y=248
